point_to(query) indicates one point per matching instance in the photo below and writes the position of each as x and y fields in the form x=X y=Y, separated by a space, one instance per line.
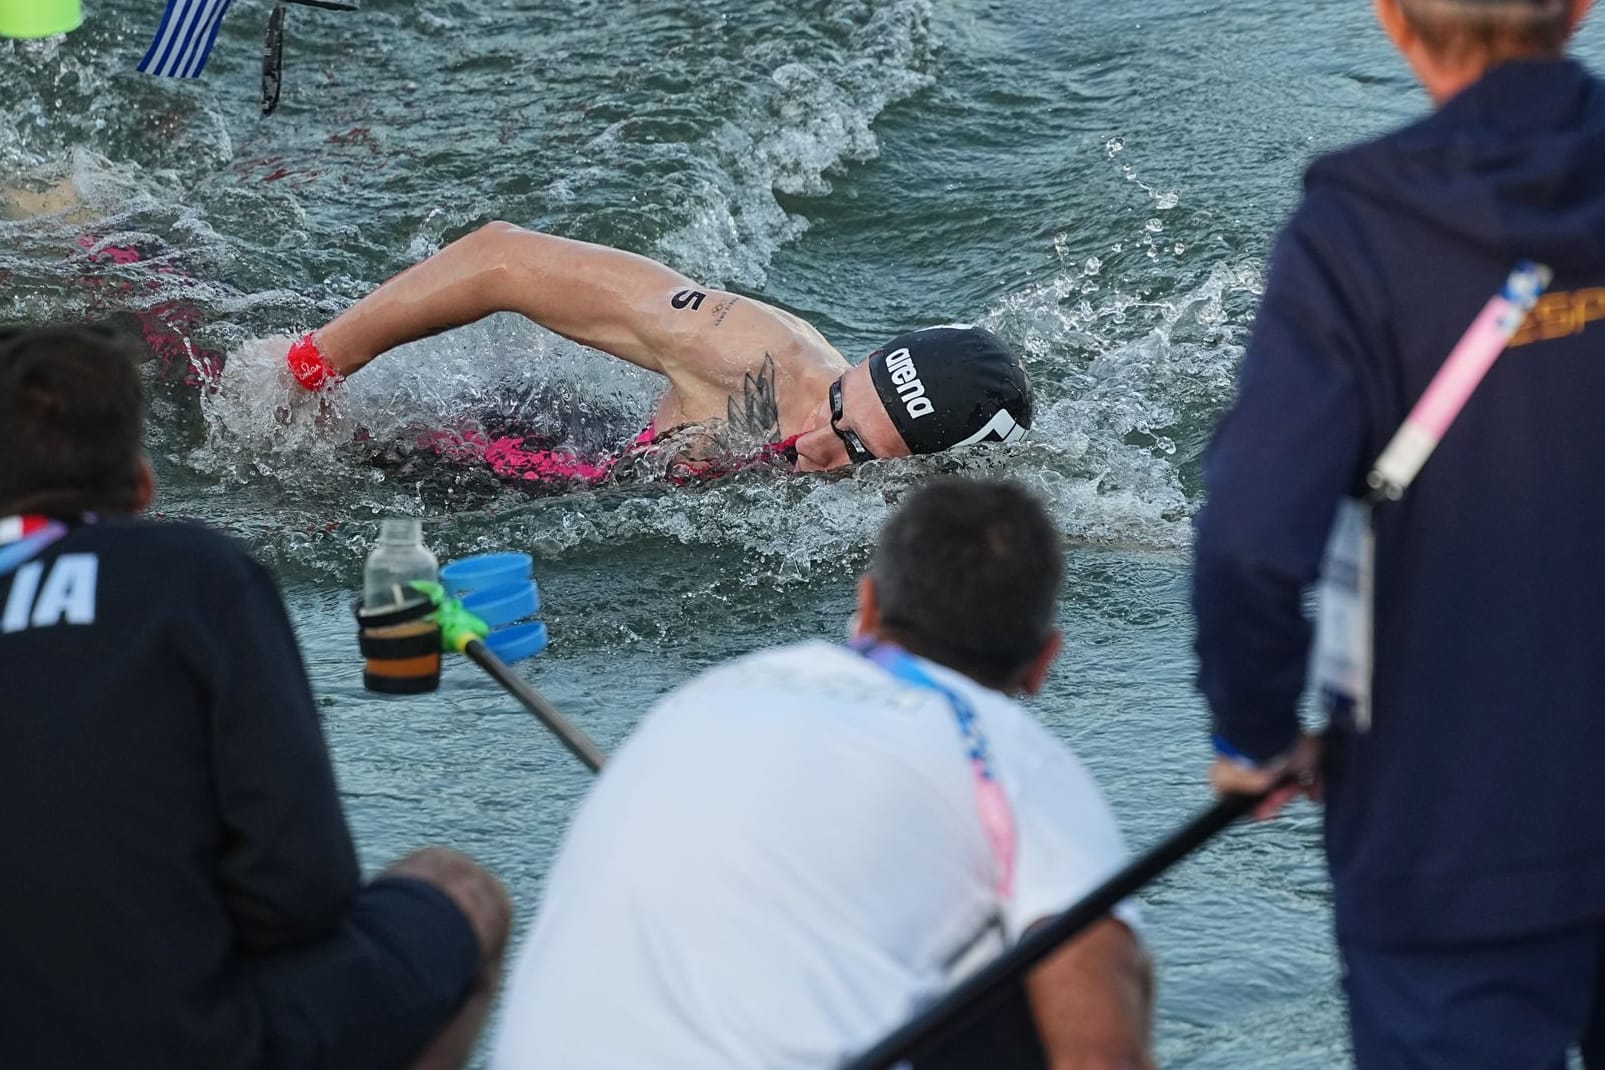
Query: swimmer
x=59 y=198
x=168 y=327
x=736 y=367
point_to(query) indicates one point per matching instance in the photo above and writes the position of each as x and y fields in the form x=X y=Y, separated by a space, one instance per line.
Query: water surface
x=1097 y=182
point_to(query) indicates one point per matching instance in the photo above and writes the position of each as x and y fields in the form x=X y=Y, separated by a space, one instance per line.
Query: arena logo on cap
x=1003 y=427
x=905 y=377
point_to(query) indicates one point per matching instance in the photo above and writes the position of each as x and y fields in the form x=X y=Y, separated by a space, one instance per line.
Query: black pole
x=578 y=743
x=994 y=979
x=273 y=61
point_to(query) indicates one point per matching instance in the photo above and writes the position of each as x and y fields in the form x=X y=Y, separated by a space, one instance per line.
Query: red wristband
x=309 y=366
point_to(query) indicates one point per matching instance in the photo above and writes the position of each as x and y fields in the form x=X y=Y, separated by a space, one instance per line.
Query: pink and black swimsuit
x=510 y=459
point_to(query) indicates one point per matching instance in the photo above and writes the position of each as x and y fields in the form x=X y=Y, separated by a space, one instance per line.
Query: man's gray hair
x=1490 y=30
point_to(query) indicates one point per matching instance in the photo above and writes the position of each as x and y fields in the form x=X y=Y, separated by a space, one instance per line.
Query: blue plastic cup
x=505 y=602
x=518 y=642
x=482 y=571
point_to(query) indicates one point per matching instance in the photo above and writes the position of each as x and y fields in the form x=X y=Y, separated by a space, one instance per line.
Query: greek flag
x=185 y=38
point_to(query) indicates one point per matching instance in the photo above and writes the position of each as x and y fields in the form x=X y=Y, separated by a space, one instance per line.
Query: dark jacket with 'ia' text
x=167 y=805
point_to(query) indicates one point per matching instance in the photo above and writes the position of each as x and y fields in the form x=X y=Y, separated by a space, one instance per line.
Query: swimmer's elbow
x=592 y=294
x=505 y=259
x=496 y=245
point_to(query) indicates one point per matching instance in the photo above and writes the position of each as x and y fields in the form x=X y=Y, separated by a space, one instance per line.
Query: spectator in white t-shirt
x=798 y=850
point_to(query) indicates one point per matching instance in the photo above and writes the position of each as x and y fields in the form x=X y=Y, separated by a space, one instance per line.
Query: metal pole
x=578 y=743
x=996 y=978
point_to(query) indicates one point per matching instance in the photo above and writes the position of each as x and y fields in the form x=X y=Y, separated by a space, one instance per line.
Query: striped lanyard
x=24 y=537
x=997 y=819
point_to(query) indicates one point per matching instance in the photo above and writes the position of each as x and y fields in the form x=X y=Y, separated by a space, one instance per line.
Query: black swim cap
x=954 y=385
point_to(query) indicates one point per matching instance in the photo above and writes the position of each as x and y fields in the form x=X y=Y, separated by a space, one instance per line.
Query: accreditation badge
x=1345 y=602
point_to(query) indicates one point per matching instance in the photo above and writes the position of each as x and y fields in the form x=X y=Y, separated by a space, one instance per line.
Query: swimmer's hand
x=259 y=373
x=309 y=366
x=61 y=198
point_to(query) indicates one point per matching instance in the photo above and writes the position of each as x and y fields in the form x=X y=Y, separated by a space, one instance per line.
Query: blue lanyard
x=996 y=817
x=903 y=665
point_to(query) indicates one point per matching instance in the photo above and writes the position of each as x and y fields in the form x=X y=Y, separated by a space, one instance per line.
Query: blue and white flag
x=185 y=38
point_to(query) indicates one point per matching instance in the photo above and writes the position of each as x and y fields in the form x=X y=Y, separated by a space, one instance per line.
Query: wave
x=808 y=111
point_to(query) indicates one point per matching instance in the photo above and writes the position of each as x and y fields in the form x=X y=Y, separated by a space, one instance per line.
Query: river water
x=1096 y=182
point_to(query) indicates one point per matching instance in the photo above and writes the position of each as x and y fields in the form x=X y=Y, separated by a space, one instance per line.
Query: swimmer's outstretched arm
x=604 y=298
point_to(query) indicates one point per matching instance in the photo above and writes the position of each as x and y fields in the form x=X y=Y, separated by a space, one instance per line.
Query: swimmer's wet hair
x=72 y=419
x=1489 y=31
x=967 y=573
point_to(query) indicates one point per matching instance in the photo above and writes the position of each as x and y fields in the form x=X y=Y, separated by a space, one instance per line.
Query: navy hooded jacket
x=1475 y=806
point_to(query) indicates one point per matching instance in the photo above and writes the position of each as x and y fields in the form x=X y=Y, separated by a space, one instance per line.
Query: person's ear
x=1579 y=12
x=144 y=485
x=867 y=621
x=1396 y=26
x=1037 y=672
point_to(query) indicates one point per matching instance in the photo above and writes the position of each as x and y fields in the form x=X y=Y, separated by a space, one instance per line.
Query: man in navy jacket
x=1465 y=830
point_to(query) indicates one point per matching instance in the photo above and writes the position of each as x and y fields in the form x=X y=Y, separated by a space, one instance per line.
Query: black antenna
x=273 y=48
x=273 y=61
x=927 y=1029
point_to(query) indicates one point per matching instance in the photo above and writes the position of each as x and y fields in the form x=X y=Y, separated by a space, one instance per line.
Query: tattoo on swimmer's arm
x=721 y=310
x=693 y=299
x=758 y=413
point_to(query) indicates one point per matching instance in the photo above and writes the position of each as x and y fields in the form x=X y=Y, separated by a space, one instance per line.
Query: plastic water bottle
x=400 y=558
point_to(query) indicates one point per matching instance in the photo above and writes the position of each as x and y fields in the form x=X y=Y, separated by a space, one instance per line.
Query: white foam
x=1117 y=373
x=1109 y=460
x=441 y=382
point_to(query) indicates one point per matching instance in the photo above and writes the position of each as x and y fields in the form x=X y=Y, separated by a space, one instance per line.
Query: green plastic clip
x=458 y=627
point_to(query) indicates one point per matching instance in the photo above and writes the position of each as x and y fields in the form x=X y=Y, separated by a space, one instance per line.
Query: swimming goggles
x=857 y=452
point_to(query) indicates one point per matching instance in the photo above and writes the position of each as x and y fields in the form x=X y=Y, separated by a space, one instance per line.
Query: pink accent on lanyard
x=998 y=822
x=1454 y=382
x=1470 y=360
x=991 y=802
